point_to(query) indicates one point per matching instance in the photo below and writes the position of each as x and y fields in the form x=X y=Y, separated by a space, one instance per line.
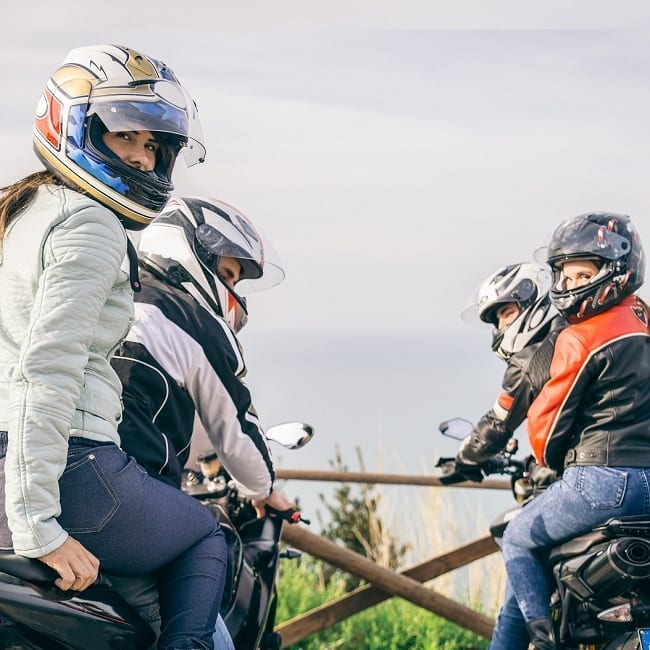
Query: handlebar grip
x=467 y=473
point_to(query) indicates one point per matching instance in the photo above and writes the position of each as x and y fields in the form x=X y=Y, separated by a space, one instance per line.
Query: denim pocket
x=601 y=487
x=88 y=501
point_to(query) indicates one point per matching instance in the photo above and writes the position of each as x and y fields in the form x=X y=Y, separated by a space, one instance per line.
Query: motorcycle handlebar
x=291 y=515
x=498 y=464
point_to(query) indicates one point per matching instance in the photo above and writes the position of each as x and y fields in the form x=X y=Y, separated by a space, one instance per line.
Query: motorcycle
x=250 y=594
x=600 y=580
x=36 y=615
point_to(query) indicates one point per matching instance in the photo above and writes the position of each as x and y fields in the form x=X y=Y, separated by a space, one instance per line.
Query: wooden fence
x=383 y=583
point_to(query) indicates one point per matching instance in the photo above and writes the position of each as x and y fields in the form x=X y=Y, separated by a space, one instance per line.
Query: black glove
x=462 y=472
x=540 y=477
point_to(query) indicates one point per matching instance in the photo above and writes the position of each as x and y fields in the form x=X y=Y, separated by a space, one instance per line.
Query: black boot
x=541 y=634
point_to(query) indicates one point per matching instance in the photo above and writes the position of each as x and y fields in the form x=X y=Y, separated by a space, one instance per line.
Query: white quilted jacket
x=65 y=305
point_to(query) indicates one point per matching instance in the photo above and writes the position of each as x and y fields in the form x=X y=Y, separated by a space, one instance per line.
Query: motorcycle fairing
x=97 y=618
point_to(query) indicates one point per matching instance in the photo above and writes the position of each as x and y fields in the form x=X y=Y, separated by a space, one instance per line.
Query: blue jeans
x=585 y=497
x=510 y=630
x=136 y=524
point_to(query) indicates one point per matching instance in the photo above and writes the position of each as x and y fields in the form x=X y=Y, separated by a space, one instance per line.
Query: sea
x=377 y=399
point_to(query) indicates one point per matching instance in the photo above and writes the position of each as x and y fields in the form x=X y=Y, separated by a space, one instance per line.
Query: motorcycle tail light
x=610 y=571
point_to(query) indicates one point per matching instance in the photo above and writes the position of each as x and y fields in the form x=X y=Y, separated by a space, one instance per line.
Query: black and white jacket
x=179 y=361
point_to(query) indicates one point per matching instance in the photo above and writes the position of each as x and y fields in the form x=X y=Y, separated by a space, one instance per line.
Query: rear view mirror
x=457 y=428
x=291 y=435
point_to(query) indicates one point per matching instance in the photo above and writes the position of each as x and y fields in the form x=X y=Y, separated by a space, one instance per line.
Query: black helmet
x=613 y=243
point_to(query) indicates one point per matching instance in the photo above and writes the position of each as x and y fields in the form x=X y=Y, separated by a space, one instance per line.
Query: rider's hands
x=468 y=472
x=463 y=466
x=541 y=477
x=76 y=566
x=276 y=500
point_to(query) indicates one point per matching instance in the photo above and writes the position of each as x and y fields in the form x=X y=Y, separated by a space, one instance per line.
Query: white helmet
x=185 y=243
x=110 y=88
x=528 y=286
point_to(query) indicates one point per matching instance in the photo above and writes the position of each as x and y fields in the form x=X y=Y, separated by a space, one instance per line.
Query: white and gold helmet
x=112 y=88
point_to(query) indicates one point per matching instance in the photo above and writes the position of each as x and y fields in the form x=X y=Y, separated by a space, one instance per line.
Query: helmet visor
x=484 y=302
x=162 y=106
x=260 y=264
x=582 y=238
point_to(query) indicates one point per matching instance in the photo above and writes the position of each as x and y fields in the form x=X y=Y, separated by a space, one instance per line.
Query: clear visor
x=470 y=313
x=540 y=255
x=162 y=106
x=472 y=308
x=605 y=244
x=486 y=302
x=608 y=245
x=260 y=264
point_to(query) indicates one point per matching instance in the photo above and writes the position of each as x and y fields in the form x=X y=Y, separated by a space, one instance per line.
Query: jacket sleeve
x=526 y=373
x=552 y=414
x=487 y=438
x=224 y=406
x=81 y=259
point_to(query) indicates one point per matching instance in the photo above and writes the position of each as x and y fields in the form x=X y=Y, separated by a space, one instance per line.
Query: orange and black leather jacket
x=595 y=408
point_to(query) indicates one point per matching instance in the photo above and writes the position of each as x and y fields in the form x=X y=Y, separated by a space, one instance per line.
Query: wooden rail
x=329 y=614
x=383 y=583
x=376 y=478
x=388 y=582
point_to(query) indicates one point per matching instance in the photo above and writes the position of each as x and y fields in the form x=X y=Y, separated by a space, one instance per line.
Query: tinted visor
x=157 y=106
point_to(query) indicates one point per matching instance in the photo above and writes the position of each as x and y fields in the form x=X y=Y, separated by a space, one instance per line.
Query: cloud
x=391 y=169
x=38 y=16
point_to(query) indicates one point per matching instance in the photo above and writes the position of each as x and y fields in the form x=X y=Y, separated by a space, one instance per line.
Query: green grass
x=392 y=625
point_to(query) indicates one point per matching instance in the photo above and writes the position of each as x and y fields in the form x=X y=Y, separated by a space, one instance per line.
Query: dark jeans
x=135 y=524
x=141 y=593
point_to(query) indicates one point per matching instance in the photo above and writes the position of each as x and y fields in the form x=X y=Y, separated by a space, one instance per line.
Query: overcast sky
x=395 y=157
x=394 y=160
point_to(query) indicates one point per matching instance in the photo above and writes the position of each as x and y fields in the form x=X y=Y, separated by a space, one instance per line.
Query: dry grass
x=432 y=521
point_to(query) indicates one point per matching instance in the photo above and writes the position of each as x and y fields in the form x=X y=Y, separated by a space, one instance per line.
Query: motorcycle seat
x=575 y=546
x=636 y=525
x=26 y=568
x=35 y=571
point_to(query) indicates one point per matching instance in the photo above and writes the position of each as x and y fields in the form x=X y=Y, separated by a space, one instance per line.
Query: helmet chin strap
x=134 y=276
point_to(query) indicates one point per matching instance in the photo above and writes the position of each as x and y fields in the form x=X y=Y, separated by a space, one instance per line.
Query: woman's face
x=137 y=149
x=577 y=273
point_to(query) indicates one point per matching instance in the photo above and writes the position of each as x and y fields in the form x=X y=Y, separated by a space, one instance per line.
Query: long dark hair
x=17 y=196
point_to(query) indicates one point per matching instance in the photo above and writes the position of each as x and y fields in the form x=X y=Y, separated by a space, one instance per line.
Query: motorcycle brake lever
x=291 y=515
